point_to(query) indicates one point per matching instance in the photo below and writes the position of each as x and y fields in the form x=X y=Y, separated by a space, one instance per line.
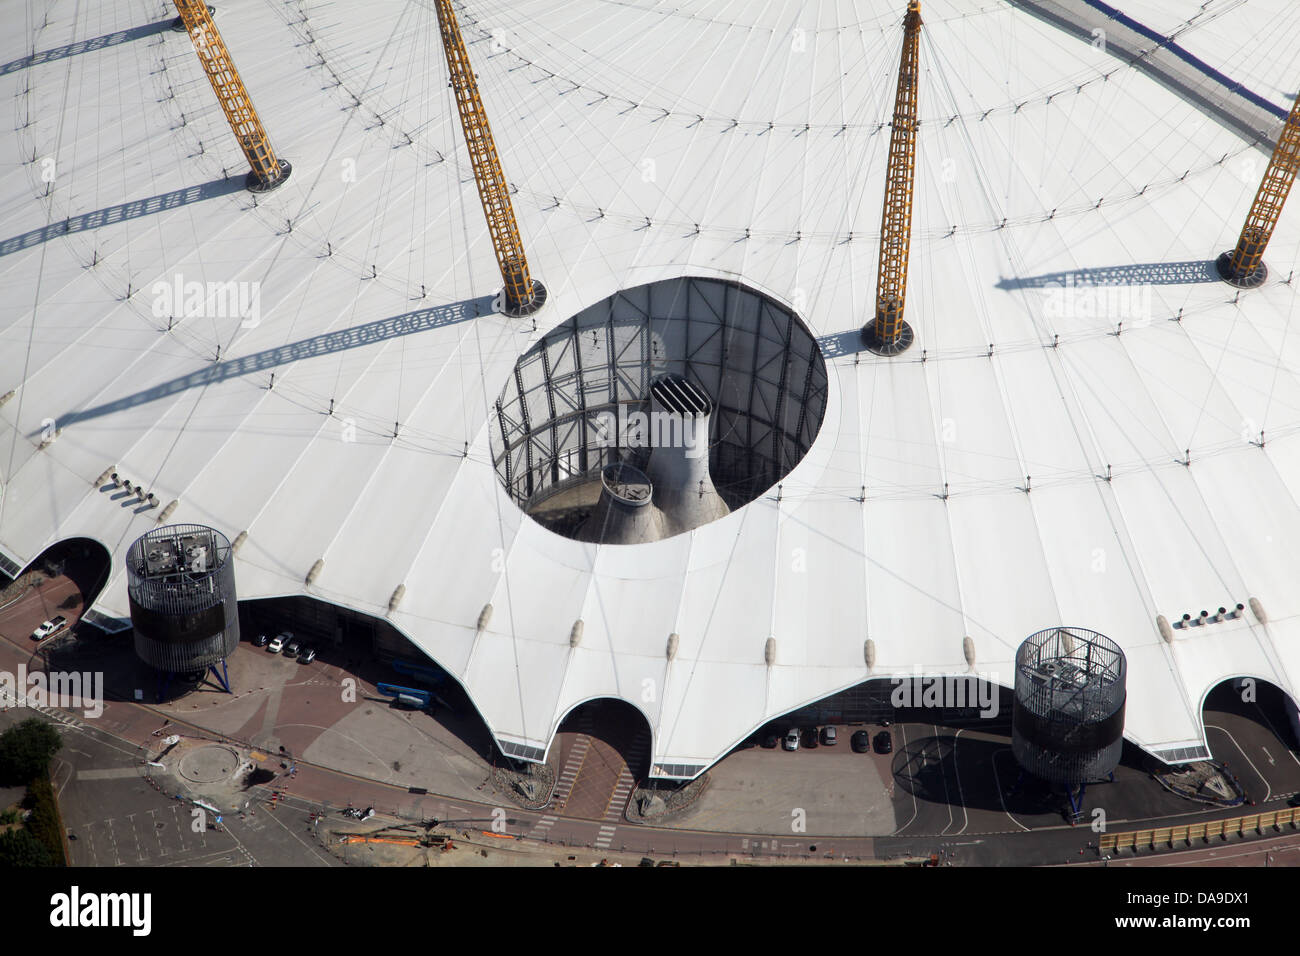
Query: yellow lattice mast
x=887 y=333
x=1244 y=266
x=522 y=293
x=267 y=171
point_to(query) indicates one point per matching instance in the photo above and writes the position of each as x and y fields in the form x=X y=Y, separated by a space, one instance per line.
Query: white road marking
x=915 y=809
x=997 y=780
x=1281 y=739
x=1268 y=790
x=1252 y=851
x=310 y=848
x=943 y=775
x=540 y=828
x=956 y=772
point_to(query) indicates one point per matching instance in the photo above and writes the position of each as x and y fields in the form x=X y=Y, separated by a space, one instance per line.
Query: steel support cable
x=415 y=37
x=522 y=141
x=1174 y=232
x=395 y=36
x=688 y=678
x=6 y=479
x=637 y=220
x=560 y=78
x=1116 y=529
x=858 y=185
x=281 y=392
x=1010 y=249
x=550 y=149
x=375 y=222
x=625 y=121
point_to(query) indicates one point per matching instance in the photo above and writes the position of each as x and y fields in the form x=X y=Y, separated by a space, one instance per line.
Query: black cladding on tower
x=181 y=588
x=1068 y=723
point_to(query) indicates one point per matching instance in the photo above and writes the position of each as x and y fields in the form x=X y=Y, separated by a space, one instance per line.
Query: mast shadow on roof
x=1188 y=272
x=358 y=336
x=85 y=46
x=121 y=212
x=1134 y=273
x=840 y=343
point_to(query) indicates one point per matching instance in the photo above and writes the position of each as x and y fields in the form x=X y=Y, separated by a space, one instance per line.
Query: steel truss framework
x=1246 y=264
x=753 y=357
x=267 y=170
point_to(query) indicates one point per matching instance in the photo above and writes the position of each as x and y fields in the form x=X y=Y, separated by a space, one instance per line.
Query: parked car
x=307 y=656
x=884 y=742
x=860 y=742
x=50 y=627
x=828 y=736
x=291 y=649
x=769 y=742
x=276 y=645
x=1294 y=801
x=261 y=640
x=791 y=740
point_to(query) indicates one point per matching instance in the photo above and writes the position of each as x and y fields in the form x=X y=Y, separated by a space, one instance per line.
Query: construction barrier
x=1171 y=837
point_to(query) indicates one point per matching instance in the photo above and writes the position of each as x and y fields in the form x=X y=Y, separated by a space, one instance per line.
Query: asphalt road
x=951 y=791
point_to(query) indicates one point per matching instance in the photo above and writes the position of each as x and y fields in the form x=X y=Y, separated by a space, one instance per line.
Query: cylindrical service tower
x=1068 y=723
x=625 y=513
x=680 y=422
x=181 y=588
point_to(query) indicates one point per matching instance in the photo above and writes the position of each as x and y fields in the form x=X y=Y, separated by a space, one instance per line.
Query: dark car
x=828 y=736
x=291 y=649
x=810 y=738
x=307 y=655
x=769 y=742
x=1294 y=801
x=261 y=640
x=860 y=742
x=884 y=742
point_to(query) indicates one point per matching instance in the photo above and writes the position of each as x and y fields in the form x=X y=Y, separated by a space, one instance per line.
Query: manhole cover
x=211 y=764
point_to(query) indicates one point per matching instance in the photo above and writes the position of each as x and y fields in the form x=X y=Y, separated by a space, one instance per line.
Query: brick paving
x=597 y=787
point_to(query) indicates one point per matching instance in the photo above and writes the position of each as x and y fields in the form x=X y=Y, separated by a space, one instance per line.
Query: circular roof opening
x=657 y=410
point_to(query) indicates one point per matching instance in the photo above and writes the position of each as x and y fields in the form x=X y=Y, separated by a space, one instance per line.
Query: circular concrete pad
x=211 y=764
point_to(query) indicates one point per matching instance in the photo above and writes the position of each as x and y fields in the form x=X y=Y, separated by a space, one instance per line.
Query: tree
x=20 y=848
x=44 y=823
x=26 y=751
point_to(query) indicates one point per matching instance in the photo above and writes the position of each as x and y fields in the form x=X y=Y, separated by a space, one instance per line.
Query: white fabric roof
x=758 y=118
